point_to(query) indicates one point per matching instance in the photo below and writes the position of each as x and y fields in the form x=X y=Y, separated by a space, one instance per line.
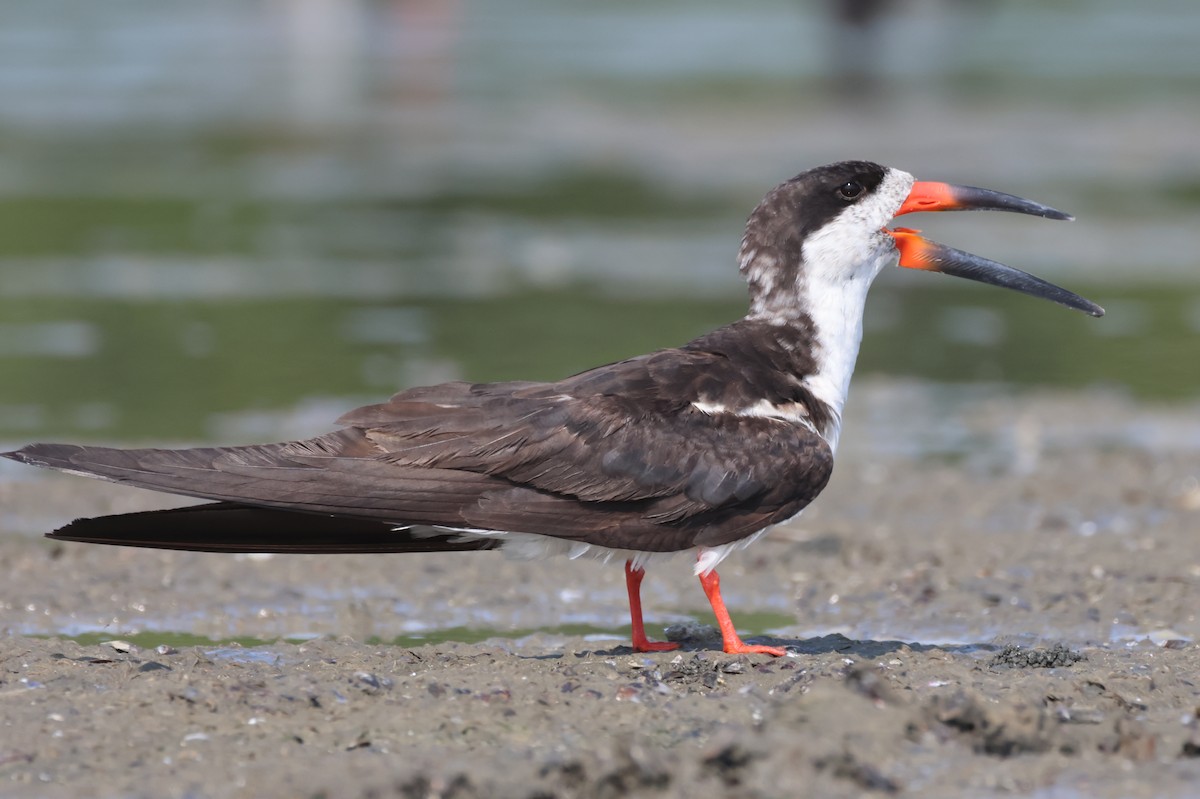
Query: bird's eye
x=850 y=190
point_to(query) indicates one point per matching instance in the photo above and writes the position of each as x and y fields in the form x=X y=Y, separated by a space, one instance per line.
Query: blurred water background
x=231 y=220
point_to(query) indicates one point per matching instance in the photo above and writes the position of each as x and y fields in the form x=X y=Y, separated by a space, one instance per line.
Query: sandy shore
x=1065 y=525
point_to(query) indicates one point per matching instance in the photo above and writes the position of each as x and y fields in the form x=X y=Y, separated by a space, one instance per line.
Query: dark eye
x=850 y=190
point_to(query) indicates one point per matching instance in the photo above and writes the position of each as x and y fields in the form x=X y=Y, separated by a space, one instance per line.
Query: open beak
x=917 y=252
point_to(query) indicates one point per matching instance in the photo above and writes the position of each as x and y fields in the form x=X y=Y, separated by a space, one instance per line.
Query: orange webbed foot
x=733 y=643
x=737 y=647
x=646 y=645
x=633 y=581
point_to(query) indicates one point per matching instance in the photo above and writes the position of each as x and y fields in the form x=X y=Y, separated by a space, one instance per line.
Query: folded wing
x=618 y=457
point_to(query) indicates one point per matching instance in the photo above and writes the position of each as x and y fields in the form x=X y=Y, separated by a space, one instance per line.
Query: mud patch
x=933 y=651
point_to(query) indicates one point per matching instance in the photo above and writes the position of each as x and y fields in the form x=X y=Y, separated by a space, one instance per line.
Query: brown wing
x=616 y=456
x=619 y=450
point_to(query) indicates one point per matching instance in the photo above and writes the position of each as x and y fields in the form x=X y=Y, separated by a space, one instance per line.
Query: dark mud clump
x=1016 y=657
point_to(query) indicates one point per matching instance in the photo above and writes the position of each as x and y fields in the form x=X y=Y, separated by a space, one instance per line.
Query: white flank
x=711 y=408
x=534 y=546
x=790 y=412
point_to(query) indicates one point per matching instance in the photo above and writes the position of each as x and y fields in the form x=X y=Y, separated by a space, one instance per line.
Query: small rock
x=371 y=683
x=1190 y=748
x=629 y=693
x=153 y=665
x=691 y=632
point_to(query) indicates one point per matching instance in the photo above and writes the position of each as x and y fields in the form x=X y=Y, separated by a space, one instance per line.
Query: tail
x=324 y=495
x=228 y=527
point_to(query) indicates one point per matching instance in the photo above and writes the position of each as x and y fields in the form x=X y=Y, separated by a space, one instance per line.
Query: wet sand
x=997 y=595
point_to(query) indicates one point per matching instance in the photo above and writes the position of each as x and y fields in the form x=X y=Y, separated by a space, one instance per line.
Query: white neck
x=837 y=316
x=840 y=263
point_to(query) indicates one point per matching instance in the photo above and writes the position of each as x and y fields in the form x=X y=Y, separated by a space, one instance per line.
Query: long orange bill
x=917 y=252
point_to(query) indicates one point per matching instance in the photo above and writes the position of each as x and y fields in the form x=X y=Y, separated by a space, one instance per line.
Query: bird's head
x=823 y=236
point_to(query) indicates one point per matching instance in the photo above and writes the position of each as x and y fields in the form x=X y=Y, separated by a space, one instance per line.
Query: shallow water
x=253 y=370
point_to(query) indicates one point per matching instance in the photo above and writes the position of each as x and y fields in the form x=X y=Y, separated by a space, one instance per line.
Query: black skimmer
x=703 y=447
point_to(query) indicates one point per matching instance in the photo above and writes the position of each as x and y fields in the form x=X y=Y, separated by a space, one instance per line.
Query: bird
x=702 y=447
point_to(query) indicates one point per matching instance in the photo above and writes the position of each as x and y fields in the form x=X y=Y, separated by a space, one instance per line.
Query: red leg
x=733 y=644
x=633 y=581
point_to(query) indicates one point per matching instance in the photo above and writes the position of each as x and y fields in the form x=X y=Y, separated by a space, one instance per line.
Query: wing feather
x=619 y=456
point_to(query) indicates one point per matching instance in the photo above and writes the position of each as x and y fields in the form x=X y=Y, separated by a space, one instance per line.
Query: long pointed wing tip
x=34 y=454
x=21 y=455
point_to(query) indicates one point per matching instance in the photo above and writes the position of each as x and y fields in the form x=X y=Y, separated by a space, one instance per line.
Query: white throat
x=841 y=260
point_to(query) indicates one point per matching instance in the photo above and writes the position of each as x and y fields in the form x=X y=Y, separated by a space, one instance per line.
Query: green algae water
x=237 y=370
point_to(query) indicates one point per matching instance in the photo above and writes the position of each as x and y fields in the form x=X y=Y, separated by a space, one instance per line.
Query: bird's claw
x=645 y=645
x=739 y=648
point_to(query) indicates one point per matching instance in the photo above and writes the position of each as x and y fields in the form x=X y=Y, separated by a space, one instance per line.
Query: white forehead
x=878 y=210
